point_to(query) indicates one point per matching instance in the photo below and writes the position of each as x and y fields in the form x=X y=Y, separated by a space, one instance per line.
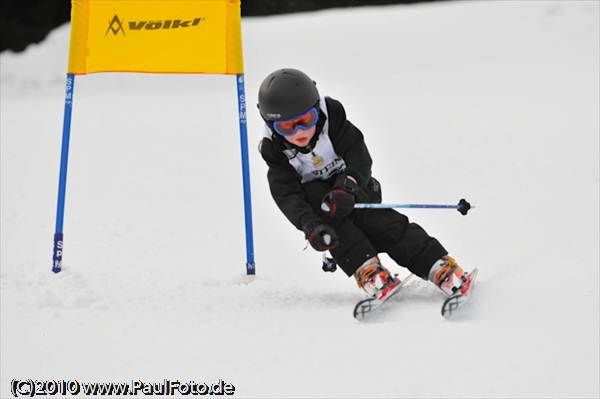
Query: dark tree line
x=270 y=7
x=23 y=22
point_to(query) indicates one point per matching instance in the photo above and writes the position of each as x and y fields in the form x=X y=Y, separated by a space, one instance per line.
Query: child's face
x=302 y=137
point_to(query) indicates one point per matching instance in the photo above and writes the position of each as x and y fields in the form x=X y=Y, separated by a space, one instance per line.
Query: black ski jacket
x=285 y=183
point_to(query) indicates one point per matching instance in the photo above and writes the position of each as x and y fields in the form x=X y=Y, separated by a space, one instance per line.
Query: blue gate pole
x=250 y=266
x=62 y=181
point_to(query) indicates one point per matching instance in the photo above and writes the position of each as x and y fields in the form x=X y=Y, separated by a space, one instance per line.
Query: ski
x=457 y=300
x=366 y=306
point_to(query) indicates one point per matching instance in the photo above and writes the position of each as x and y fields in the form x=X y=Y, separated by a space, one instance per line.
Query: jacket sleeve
x=285 y=187
x=349 y=143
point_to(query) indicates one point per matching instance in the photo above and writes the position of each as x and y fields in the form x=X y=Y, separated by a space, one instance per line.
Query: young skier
x=318 y=168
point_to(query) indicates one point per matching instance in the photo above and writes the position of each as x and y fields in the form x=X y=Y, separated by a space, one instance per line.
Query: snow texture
x=496 y=102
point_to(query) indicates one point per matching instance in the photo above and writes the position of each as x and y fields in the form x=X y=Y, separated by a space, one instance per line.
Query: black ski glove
x=321 y=237
x=340 y=201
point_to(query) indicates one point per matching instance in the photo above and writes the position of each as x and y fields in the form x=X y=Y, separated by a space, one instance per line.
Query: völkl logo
x=115 y=25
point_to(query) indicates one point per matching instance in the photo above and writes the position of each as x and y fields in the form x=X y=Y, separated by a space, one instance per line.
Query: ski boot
x=449 y=276
x=375 y=280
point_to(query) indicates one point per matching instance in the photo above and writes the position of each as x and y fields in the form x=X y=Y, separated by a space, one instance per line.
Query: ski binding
x=458 y=299
x=366 y=306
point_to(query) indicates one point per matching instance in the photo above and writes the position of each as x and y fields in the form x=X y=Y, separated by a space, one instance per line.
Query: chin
x=303 y=143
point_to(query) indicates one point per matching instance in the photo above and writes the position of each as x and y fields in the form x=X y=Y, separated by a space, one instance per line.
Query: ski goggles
x=290 y=127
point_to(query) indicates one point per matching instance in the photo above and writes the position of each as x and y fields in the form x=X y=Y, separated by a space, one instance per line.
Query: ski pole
x=463 y=206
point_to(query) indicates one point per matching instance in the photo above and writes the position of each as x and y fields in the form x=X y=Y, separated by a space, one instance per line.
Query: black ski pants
x=368 y=232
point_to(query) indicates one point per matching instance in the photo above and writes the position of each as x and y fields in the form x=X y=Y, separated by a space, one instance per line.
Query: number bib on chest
x=321 y=163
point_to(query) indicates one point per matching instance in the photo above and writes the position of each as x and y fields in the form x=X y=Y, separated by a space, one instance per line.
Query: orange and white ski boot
x=449 y=276
x=375 y=279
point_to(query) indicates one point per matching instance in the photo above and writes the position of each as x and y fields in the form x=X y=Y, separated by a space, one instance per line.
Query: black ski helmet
x=285 y=94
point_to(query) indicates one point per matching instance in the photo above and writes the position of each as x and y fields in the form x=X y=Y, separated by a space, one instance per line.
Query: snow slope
x=496 y=102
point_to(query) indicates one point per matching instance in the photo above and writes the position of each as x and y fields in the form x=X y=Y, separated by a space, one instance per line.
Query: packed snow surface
x=496 y=102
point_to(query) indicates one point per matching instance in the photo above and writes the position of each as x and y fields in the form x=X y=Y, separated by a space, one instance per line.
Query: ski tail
x=456 y=301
